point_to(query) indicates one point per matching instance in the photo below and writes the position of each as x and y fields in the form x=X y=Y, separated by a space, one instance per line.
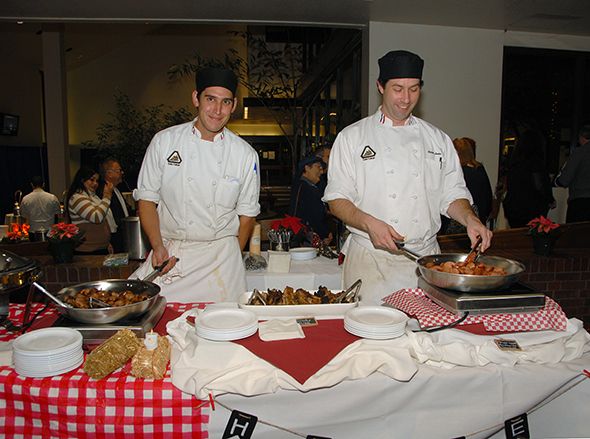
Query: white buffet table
x=303 y=274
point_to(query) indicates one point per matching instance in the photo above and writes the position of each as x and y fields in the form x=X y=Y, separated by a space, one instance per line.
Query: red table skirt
x=74 y=405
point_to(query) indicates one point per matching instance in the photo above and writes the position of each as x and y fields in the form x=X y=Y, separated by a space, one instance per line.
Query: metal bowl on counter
x=108 y=314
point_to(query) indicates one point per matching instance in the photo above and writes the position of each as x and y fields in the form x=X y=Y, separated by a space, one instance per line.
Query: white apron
x=207 y=271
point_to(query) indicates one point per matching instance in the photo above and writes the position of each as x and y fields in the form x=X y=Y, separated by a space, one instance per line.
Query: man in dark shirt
x=110 y=170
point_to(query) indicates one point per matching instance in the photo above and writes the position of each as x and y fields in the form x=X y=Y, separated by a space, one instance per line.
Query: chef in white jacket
x=391 y=176
x=197 y=194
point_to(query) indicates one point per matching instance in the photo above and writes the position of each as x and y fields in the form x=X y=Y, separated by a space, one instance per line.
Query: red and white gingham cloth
x=74 y=405
x=414 y=302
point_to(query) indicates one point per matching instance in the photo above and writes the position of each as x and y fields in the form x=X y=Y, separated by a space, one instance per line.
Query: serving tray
x=319 y=311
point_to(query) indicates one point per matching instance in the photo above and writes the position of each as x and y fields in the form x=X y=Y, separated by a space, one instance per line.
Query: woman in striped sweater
x=91 y=213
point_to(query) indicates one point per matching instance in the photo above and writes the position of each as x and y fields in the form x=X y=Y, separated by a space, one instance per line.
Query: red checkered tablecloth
x=74 y=405
x=414 y=302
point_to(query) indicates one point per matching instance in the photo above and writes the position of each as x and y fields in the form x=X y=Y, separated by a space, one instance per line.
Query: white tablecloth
x=462 y=385
x=303 y=274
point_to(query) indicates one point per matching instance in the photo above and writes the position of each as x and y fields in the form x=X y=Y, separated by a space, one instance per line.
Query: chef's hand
x=475 y=229
x=159 y=256
x=382 y=234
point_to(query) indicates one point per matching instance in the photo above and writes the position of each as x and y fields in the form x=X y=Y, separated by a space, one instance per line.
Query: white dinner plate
x=226 y=319
x=49 y=373
x=371 y=316
x=48 y=341
x=303 y=253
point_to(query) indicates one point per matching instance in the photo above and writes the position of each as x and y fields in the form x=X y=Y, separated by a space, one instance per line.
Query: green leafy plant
x=132 y=128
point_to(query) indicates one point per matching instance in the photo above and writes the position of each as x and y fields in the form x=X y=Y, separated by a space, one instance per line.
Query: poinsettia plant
x=64 y=232
x=543 y=227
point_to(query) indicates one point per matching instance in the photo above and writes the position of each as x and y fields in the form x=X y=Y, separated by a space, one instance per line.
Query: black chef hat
x=400 y=64
x=216 y=77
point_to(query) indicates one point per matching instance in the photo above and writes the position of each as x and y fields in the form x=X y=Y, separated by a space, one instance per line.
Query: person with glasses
x=110 y=170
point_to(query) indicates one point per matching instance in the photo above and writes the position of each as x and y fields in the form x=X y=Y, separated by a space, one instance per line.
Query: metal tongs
x=255 y=295
x=158 y=269
x=351 y=293
x=475 y=250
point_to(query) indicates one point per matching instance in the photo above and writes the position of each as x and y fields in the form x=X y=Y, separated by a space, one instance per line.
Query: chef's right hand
x=159 y=256
x=382 y=234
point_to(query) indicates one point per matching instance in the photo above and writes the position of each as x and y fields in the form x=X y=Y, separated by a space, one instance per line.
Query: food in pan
x=111 y=298
x=289 y=296
x=477 y=268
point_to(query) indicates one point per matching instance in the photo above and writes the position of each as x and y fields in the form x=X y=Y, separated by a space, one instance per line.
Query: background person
x=306 y=201
x=390 y=178
x=478 y=183
x=528 y=194
x=91 y=212
x=197 y=193
x=40 y=207
x=323 y=152
x=575 y=175
x=110 y=170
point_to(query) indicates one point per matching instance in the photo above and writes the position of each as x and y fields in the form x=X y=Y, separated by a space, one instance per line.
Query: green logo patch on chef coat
x=174 y=159
x=368 y=153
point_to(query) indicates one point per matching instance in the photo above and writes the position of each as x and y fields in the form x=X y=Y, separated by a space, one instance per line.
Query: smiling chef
x=197 y=195
x=391 y=176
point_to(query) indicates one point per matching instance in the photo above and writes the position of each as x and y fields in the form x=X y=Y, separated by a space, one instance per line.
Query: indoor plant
x=287 y=232
x=544 y=232
x=62 y=238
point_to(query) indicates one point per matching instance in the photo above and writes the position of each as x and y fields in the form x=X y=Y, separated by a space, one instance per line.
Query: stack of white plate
x=226 y=324
x=375 y=322
x=47 y=352
x=303 y=253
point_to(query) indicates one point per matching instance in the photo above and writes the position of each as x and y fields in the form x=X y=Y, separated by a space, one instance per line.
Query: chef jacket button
x=190 y=201
x=208 y=223
x=415 y=151
x=219 y=161
x=214 y=183
x=190 y=179
x=191 y=222
x=208 y=206
x=396 y=220
x=415 y=220
x=388 y=149
x=415 y=197
x=415 y=174
x=393 y=195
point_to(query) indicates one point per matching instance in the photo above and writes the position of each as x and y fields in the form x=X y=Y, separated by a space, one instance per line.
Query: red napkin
x=303 y=357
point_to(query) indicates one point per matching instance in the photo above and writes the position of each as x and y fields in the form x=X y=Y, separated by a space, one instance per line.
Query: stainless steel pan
x=109 y=314
x=465 y=282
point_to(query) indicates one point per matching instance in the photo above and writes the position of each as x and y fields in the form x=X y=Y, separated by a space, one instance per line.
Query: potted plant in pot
x=544 y=232
x=62 y=238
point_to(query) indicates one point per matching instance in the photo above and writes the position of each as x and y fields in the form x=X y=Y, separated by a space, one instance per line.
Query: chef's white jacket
x=405 y=176
x=200 y=188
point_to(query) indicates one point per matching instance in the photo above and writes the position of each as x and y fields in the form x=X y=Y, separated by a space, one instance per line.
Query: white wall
x=462 y=80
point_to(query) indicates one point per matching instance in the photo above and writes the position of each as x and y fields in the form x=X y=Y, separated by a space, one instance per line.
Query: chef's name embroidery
x=174 y=159
x=368 y=153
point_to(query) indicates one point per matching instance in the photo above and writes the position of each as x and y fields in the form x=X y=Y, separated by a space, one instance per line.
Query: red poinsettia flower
x=64 y=231
x=543 y=226
x=289 y=223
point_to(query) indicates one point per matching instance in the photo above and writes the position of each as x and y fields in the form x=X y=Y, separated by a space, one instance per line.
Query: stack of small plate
x=47 y=352
x=375 y=322
x=226 y=324
x=303 y=253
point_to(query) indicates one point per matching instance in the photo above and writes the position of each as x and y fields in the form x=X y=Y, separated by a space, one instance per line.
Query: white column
x=56 y=108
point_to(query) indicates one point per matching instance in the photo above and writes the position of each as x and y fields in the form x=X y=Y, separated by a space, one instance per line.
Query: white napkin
x=6 y=353
x=277 y=329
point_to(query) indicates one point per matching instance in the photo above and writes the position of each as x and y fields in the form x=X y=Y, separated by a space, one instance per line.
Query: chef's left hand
x=475 y=229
